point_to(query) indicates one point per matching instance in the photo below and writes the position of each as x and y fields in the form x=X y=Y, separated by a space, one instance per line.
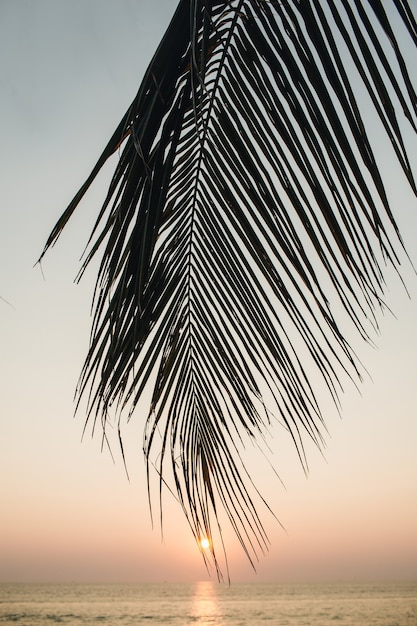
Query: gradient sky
x=68 y=71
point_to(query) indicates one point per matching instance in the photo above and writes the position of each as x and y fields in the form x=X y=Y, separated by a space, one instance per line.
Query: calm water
x=207 y=603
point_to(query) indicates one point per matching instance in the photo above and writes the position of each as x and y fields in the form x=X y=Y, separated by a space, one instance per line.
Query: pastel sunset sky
x=68 y=71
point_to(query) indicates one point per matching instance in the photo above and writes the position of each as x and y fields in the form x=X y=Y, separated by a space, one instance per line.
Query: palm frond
x=246 y=207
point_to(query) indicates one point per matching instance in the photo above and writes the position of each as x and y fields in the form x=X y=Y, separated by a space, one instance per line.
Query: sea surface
x=208 y=603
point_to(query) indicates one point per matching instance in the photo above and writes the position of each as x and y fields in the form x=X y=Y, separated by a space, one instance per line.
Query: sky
x=68 y=71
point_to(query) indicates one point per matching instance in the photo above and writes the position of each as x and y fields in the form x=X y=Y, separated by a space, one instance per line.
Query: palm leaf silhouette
x=246 y=219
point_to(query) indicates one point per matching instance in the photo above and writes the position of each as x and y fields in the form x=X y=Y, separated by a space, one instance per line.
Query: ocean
x=208 y=603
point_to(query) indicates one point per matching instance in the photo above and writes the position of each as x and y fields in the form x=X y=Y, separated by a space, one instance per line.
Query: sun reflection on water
x=205 y=605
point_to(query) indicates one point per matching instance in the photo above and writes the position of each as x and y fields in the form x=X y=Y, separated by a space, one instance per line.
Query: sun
x=205 y=543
